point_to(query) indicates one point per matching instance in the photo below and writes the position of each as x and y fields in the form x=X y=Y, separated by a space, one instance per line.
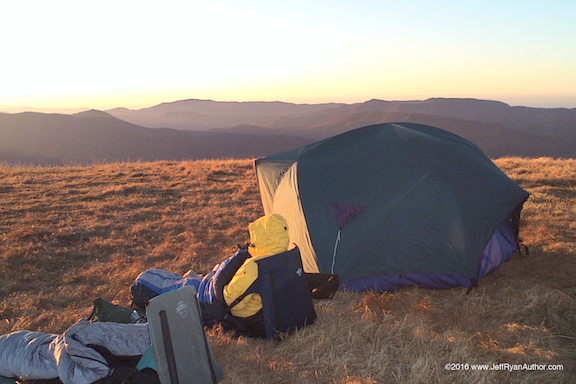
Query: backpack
x=286 y=302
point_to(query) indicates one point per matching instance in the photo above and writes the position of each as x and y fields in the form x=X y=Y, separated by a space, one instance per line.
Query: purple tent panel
x=344 y=212
x=499 y=249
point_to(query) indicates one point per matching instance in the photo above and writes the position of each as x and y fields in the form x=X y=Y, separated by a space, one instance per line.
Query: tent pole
x=335 y=248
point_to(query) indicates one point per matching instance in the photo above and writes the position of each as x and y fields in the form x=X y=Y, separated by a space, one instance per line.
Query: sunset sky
x=135 y=54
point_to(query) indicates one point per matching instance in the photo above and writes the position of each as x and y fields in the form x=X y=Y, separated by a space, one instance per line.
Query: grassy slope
x=71 y=234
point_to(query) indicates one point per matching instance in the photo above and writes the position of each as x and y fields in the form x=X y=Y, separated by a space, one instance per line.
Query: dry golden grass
x=71 y=234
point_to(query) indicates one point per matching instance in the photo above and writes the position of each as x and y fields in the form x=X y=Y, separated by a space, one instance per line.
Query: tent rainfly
x=392 y=205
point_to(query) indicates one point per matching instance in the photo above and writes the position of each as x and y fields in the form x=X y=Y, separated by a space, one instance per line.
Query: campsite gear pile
x=283 y=289
x=151 y=343
x=171 y=348
x=391 y=205
x=260 y=291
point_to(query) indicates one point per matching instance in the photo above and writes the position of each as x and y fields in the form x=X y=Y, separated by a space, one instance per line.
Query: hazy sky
x=135 y=54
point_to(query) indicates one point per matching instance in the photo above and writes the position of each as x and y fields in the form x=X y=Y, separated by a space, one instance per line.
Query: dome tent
x=391 y=205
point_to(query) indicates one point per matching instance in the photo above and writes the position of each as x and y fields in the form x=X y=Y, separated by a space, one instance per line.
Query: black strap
x=168 y=349
x=521 y=246
x=207 y=347
x=526 y=249
x=473 y=284
x=275 y=298
x=233 y=304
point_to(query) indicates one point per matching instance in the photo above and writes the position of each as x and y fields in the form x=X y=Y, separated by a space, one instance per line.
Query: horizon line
x=11 y=109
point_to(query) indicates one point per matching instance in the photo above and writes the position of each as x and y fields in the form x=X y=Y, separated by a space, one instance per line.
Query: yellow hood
x=268 y=236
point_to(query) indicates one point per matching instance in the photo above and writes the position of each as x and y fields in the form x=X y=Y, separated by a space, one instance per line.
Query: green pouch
x=106 y=311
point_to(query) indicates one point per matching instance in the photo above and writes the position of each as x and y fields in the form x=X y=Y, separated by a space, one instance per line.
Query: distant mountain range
x=197 y=129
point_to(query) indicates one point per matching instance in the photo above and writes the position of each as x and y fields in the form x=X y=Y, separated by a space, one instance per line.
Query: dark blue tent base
x=499 y=250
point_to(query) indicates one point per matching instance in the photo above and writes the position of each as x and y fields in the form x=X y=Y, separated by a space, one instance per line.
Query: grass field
x=71 y=234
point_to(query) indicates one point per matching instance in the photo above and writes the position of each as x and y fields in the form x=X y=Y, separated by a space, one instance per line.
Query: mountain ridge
x=195 y=129
x=96 y=136
x=526 y=118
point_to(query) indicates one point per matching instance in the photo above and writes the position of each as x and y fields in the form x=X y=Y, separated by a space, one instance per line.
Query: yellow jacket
x=268 y=237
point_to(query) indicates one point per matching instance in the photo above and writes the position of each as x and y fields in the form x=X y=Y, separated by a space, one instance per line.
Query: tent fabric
x=432 y=202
